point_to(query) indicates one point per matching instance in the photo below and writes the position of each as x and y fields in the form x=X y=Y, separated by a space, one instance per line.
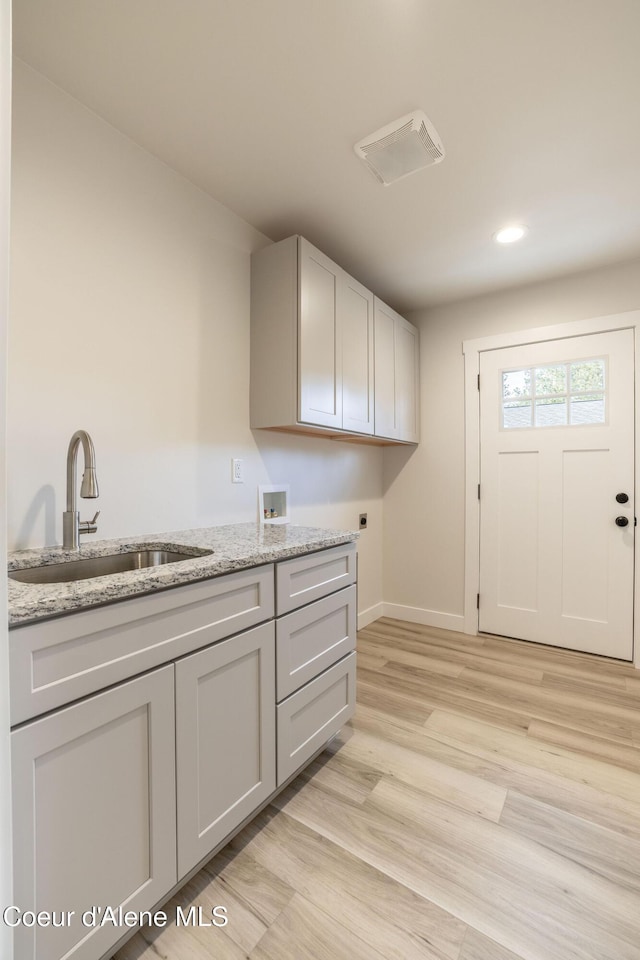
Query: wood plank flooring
x=483 y=804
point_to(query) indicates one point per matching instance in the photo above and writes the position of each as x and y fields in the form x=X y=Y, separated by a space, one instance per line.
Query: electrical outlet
x=237 y=471
x=363 y=521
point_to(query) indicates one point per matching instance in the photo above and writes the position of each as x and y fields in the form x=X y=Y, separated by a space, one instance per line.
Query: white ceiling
x=259 y=102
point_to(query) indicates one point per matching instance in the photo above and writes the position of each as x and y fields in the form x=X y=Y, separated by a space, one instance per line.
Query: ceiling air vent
x=401 y=148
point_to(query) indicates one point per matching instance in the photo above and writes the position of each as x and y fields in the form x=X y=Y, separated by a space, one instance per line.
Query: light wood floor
x=484 y=804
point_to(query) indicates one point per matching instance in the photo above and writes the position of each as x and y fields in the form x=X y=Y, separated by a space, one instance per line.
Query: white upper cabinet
x=397 y=376
x=385 y=371
x=312 y=346
x=356 y=313
x=319 y=339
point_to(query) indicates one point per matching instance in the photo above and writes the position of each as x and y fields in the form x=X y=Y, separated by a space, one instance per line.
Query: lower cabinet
x=118 y=796
x=225 y=739
x=94 y=815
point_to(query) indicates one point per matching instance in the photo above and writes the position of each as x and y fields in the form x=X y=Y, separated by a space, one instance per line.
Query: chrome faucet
x=72 y=527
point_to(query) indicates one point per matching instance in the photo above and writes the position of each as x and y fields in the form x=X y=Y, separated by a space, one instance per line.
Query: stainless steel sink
x=90 y=567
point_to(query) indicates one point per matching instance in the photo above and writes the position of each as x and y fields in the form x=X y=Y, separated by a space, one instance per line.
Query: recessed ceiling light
x=510 y=234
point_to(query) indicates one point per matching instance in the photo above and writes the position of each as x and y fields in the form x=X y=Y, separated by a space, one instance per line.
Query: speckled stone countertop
x=234 y=547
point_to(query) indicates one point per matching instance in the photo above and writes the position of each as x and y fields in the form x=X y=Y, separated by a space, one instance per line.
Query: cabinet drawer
x=313 y=576
x=313 y=638
x=314 y=714
x=55 y=662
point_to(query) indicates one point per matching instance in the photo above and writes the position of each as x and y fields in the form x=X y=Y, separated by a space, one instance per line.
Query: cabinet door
x=407 y=359
x=396 y=375
x=94 y=814
x=356 y=318
x=386 y=424
x=319 y=339
x=225 y=739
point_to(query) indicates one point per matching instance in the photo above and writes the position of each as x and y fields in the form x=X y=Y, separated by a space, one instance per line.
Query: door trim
x=471 y=350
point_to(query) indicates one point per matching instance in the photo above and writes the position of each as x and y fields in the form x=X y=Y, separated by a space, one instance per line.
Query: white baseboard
x=368 y=616
x=429 y=618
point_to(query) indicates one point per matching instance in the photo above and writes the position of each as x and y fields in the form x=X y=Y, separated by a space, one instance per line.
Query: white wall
x=130 y=319
x=6 y=948
x=424 y=490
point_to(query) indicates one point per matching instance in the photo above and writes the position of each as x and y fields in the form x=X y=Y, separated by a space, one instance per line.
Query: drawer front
x=61 y=660
x=313 y=576
x=313 y=638
x=314 y=714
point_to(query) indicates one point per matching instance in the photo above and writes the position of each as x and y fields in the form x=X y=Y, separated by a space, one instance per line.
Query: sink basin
x=90 y=567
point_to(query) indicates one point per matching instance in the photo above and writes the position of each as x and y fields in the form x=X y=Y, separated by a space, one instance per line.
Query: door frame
x=472 y=349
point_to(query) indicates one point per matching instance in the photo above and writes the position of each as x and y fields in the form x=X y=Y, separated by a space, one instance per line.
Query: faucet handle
x=89 y=526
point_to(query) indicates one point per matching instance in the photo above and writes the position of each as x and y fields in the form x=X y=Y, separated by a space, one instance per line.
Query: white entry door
x=557 y=483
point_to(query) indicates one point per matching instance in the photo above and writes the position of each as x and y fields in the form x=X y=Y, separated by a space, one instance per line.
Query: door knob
x=622 y=521
x=622 y=497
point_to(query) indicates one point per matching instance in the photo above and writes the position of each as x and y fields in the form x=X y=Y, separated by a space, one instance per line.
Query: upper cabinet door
x=356 y=317
x=319 y=339
x=386 y=423
x=407 y=356
x=397 y=380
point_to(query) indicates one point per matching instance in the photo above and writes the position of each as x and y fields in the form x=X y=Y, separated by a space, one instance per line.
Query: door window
x=555 y=395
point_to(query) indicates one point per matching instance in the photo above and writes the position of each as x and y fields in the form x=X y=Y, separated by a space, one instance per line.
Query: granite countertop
x=235 y=547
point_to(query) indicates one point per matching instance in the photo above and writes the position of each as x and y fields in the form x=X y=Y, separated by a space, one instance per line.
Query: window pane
x=551 y=412
x=554 y=395
x=551 y=379
x=516 y=413
x=587 y=375
x=587 y=409
x=516 y=383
